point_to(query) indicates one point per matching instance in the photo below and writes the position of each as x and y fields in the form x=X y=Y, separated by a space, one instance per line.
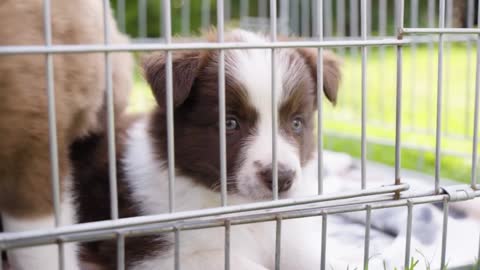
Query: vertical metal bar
x=295 y=16
x=227 y=244
x=447 y=59
x=398 y=102
x=120 y=251
x=61 y=253
x=52 y=128
x=396 y=15
x=186 y=17
x=340 y=22
x=273 y=38
x=142 y=18
x=315 y=18
x=413 y=51
x=227 y=10
x=319 y=97
x=323 y=255
x=222 y=129
x=438 y=134
x=444 y=233
x=284 y=17
x=161 y=28
x=366 y=250
x=340 y=19
x=327 y=18
x=52 y=121
x=169 y=96
x=112 y=166
x=206 y=14
x=262 y=8
x=408 y=244
x=278 y=242
x=121 y=15
x=369 y=17
x=177 y=249
x=475 y=113
x=382 y=29
x=449 y=13
x=364 y=95
x=221 y=104
x=353 y=33
x=431 y=13
x=305 y=17
x=353 y=18
x=468 y=79
x=243 y=9
x=431 y=23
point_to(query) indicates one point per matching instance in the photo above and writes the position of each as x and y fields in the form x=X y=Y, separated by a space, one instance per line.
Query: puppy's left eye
x=231 y=123
x=297 y=125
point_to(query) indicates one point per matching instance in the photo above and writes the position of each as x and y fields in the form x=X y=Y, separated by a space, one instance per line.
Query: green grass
x=419 y=94
x=141 y=98
x=342 y=127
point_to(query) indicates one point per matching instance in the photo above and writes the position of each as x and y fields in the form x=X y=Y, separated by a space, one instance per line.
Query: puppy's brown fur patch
x=79 y=79
x=195 y=100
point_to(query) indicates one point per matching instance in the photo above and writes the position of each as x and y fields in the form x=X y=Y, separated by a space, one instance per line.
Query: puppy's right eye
x=231 y=124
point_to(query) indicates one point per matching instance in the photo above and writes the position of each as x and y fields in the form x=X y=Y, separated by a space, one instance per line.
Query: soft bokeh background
x=142 y=20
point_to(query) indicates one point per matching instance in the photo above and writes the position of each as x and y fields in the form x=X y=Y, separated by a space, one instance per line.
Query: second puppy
x=26 y=197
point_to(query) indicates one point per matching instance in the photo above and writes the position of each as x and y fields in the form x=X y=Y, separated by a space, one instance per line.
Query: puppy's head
x=248 y=96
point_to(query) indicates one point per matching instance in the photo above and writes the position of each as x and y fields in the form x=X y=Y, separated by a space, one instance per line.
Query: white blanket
x=346 y=232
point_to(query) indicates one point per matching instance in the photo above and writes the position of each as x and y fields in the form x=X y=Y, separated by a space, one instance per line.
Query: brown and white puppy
x=79 y=84
x=142 y=156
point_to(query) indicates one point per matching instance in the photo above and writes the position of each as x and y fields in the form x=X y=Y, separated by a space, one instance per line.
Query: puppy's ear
x=331 y=70
x=185 y=68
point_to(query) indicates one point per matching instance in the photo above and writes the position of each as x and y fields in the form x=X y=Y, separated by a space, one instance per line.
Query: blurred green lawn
x=342 y=126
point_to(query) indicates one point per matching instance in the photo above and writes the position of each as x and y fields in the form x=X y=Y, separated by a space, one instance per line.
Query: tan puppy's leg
x=42 y=257
x=26 y=200
x=26 y=205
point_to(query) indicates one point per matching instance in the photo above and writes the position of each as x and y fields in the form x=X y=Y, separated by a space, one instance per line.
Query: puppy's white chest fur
x=252 y=245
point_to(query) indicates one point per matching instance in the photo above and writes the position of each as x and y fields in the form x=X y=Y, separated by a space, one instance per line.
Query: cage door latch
x=459 y=192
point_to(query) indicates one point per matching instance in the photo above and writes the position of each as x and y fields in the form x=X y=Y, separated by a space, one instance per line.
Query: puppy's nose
x=285 y=177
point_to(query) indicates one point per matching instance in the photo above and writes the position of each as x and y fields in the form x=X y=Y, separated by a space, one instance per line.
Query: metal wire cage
x=351 y=28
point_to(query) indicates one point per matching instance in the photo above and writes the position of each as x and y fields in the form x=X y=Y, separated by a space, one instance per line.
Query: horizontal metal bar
x=296 y=211
x=292 y=212
x=412 y=39
x=285 y=214
x=114 y=225
x=55 y=49
x=428 y=39
x=462 y=31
